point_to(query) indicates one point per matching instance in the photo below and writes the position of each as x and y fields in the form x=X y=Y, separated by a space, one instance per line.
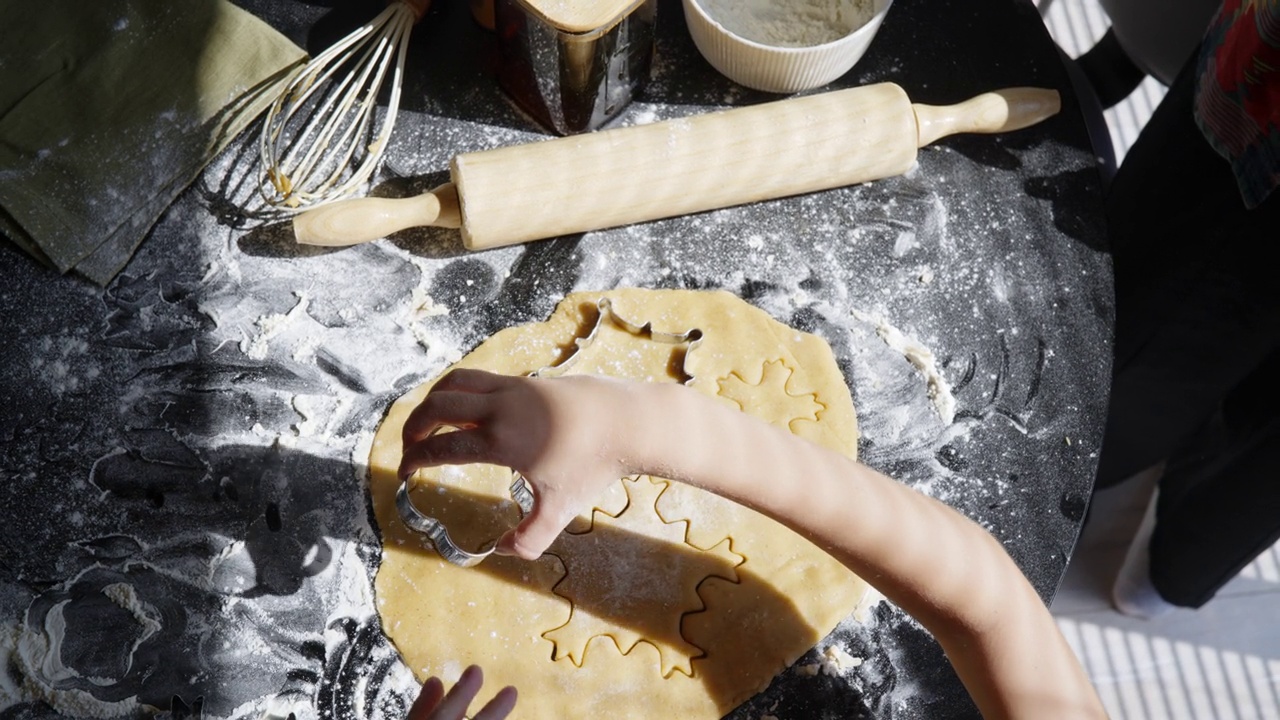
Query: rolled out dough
x=664 y=602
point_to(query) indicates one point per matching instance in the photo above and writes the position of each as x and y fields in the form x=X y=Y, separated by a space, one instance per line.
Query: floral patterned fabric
x=1238 y=95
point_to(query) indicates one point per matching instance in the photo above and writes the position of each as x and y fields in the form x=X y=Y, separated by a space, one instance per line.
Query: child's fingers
x=472 y=381
x=536 y=532
x=440 y=408
x=453 y=448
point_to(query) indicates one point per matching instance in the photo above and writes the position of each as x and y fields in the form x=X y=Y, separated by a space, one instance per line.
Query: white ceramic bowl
x=775 y=68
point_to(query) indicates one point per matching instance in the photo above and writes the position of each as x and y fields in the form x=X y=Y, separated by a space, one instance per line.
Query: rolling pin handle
x=350 y=222
x=991 y=112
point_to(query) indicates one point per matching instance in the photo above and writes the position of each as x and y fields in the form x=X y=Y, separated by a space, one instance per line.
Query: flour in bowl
x=790 y=23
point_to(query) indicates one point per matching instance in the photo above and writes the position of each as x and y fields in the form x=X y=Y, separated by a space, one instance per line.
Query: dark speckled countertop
x=191 y=438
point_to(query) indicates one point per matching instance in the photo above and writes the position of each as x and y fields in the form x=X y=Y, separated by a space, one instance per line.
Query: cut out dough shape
x=617 y=575
x=788 y=595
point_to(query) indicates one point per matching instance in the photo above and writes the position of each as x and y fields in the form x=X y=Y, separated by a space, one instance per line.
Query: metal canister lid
x=580 y=16
x=574 y=65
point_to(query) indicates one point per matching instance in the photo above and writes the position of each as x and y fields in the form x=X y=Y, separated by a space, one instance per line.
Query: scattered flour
x=34 y=654
x=314 y=412
x=269 y=326
x=62 y=362
x=922 y=358
x=126 y=597
x=809 y=669
x=833 y=662
x=836 y=661
x=422 y=305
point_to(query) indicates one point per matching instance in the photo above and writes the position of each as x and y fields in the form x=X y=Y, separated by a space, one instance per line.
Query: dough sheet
x=666 y=600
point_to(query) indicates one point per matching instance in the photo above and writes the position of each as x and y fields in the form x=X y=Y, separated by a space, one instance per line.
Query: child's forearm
x=930 y=560
x=572 y=436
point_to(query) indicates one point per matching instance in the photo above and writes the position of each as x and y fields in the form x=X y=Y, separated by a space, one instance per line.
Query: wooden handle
x=348 y=222
x=992 y=112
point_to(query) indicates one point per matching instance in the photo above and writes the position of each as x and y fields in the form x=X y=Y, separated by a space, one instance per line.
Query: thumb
x=535 y=533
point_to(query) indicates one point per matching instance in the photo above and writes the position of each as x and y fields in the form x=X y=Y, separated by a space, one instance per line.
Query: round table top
x=194 y=434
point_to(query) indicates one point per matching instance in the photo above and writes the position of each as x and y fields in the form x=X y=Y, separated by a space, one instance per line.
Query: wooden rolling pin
x=627 y=175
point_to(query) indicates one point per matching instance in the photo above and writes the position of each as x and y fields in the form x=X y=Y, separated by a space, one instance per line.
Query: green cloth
x=110 y=108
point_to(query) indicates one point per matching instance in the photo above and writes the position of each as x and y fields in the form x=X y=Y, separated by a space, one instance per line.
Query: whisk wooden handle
x=419 y=7
x=635 y=174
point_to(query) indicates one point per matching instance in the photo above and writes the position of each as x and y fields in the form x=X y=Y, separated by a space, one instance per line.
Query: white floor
x=1220 y=662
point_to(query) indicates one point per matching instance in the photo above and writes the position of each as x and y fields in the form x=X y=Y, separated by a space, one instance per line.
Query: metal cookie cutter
x=607 y=316
x=439 y=536
x=520 y=490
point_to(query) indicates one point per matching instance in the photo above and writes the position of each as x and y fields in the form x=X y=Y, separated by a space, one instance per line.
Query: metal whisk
x=319 y=143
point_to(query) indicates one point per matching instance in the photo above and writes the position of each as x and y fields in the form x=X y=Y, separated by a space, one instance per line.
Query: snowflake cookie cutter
x=520 y=490
x=605 y=316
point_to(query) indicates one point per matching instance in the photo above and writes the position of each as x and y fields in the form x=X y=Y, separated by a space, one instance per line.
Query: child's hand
x=570 y=437
x=434 y=704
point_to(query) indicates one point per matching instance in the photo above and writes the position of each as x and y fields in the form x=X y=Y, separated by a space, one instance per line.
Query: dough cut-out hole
x=770 y=397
